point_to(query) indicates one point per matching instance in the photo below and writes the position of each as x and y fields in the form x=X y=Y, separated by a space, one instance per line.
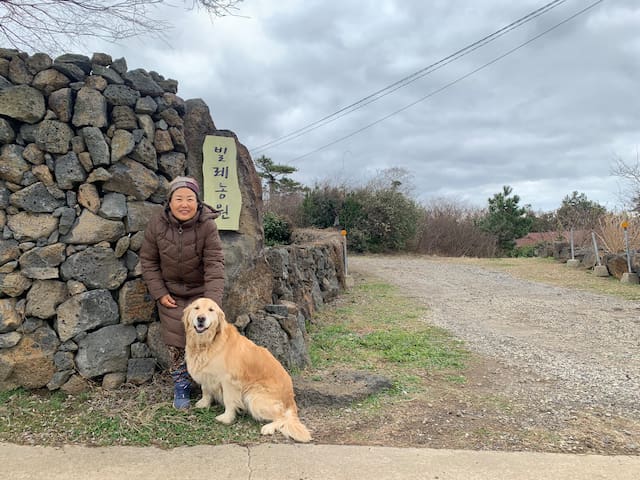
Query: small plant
x=277 y=230
x=456 y=379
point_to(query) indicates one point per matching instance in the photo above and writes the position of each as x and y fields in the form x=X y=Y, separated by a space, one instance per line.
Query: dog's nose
x=201 y=318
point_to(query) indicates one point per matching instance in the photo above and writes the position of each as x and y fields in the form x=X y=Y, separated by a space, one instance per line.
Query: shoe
x=181 y=388
x=182 y=394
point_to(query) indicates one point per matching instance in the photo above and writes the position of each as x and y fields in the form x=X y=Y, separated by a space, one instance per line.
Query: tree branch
x=52 y=25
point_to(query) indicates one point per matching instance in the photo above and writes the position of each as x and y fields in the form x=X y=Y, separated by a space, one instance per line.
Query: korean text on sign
x=220 y=175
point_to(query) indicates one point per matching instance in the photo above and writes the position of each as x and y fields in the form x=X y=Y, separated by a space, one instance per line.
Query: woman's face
x=183 y=204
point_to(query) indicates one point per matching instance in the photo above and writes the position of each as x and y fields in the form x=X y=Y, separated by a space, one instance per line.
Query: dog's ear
x=221 y=318
x=186 y=312
x=221 y=314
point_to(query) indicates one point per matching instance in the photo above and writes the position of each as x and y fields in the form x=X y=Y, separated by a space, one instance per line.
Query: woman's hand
x=168 y=301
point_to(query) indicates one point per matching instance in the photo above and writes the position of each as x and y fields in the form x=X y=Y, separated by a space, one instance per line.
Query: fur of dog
x=237 y=373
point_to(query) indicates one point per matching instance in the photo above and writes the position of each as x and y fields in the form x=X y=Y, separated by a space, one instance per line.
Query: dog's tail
x=291 y=426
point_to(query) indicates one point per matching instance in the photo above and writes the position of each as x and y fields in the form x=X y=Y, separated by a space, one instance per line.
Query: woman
x=182 y=260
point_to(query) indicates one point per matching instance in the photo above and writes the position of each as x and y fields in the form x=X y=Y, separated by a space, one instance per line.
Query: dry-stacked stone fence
x=306 y=275
x=87 y=148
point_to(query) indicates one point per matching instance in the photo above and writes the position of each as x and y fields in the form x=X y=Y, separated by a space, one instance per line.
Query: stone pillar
x=248 y=280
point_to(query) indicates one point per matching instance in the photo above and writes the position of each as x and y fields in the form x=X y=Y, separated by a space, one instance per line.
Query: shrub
x=376 y=220
x=451 y=230
x=506 y=219
x=321 y=206
x=277 y=230
x=357 y=240
x=383 y=220
x=611 y=233
x=286 y=205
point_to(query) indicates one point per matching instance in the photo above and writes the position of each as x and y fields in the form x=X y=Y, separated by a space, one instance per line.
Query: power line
x=452 y=83
x=410 y=78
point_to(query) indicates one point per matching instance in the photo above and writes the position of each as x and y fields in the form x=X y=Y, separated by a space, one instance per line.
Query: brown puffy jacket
x=184 y=259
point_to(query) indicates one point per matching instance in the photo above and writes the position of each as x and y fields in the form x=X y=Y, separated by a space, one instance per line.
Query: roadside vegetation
x=381 y=215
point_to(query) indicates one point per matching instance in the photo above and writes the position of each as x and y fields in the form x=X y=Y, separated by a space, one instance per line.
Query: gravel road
x=574 y=349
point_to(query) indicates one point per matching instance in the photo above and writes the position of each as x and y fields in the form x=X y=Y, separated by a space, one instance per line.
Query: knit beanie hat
x=180 y=182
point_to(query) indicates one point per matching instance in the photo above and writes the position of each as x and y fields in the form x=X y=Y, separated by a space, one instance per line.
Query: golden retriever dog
x=237 y=373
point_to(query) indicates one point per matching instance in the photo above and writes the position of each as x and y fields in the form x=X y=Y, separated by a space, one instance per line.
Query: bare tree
x=630 y=173
x=52 y=25
x=395 y=178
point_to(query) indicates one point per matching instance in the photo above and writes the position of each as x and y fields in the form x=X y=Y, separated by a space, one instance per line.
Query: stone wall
x=306 y=275
x=87 y=148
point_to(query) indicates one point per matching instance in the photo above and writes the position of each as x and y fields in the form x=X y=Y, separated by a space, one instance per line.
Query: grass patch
x=499 y=403
x=375 y=328
x=417 y=349
x=131 y=416
x=371 y=327
x=548 y=270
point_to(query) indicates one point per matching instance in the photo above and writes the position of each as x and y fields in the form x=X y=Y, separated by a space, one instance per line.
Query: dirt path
x=588 y=344
x=556 y=369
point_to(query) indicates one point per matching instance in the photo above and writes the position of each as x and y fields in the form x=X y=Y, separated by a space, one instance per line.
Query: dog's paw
x=203 y=403
x=226 y=418
x=268 y=429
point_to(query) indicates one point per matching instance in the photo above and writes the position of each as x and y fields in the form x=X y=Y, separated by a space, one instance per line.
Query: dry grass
x=131 y=415
x=611 y=234
x=550 y=271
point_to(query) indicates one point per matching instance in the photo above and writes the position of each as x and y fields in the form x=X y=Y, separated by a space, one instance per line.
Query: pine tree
x=506 y=219
x=277 y=176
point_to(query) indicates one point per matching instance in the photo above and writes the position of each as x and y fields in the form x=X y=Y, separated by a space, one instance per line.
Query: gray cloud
x=547 y=120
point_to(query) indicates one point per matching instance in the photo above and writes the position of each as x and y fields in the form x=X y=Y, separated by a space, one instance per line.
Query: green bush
x=277 y=230
x=357 y=240
x=387 y=219
x=321 y=206
x=376 y=220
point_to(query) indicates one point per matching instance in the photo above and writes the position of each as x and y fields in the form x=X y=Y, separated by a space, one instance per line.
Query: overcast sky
x=547 y=119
